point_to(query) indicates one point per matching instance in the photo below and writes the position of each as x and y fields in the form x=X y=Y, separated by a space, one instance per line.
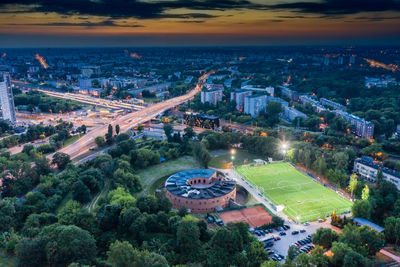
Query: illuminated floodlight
x=284 y=146
x=233 y=151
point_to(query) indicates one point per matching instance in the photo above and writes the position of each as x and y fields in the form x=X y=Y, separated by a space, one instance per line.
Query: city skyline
x=44 y=23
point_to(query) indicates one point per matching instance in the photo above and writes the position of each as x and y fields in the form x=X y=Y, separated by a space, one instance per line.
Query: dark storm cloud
x=337 y=7
x=124 y=8
x=88 y=24
x=156 y=9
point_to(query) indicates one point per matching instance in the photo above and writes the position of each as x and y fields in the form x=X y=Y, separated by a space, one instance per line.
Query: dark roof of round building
x=177 y=185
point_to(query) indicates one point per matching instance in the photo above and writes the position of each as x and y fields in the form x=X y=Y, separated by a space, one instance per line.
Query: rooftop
x=378 y=167
x=362 y=222
x=177 y=185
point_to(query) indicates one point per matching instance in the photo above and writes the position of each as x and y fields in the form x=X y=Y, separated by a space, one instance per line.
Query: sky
x=82 y=23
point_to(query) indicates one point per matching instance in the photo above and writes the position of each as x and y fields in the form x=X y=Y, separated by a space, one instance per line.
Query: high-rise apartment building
x=6 y=98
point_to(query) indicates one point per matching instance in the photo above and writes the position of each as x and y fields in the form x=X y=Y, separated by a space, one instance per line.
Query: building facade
x=292 y=95
x=7 y=99
x=254 y=104
x=317 y=106
x=291 y=114
x=238 y=96
x=200 y=190
x=332 y=104
x=211 y=96
x=361 y=128
x=277 y=99
x=368 y=169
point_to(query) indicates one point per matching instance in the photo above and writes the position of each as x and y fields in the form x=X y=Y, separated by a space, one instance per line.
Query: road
x=129 y=120
x=92 y=100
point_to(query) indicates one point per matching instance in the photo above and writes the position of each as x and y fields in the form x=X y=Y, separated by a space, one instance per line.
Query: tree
x=73 y=214
x=80 y=192
x=121 y=254
x=341 y=160
x=168 y=130
x=303 y=260
x=272 y=111
x=140 y=128
x=365 y=193
x=27 y=149
x=392 y=230
x=361 y=208
x=318 y=258
x=201 y=153
x=31 y=252
x=353 y=184
x=324 y=237
x=109 y=135
x=188 y=240
x=189 y=132
x=293 y=251
x=67 y=244
x=83 y=129
x=100 y=142
x=379 y=177
x=61 y=160
x=363 y=240
x=121 y=197
x=117 y=129
x=7 y=214
x=339 y=250
x=353 y=258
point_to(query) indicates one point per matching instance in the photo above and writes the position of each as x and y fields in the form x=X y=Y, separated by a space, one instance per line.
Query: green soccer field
x=302 y=197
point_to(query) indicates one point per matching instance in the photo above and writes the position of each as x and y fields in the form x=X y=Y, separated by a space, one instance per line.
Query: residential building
x=362 y=127
x=291 y=94
x=366 y=168
x=211 y=96
x=7 y=99
x=88 y=71
x=85 y=83
x=276 y=99
x=270 y=90
x=238 y=96
x=332 y=104
x=380 y=82
x=313 y=102
x=254 y=104
x=291 y=114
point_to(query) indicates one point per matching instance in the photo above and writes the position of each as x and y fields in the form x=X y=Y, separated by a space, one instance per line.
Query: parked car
x=302 y=231
x=287 y=226
x=269 y=244
x=295 y=232
x=282 y=233
x=306 y=224
x=277 y=238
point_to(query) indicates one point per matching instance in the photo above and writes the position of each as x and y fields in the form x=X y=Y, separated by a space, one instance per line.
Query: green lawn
x=71 y=139
x=224 y=158
x=303 y=198
x=153 y=174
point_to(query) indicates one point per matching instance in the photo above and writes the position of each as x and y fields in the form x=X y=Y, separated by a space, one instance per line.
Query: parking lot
x=281 y=246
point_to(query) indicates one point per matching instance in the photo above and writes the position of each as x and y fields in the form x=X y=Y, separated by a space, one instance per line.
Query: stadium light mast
x=233 y=152
x=284 y=147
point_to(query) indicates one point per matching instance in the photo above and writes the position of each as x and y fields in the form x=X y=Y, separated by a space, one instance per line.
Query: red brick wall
x=201 y=205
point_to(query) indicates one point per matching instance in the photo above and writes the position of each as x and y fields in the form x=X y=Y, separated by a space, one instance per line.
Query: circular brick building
x=199 y=190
